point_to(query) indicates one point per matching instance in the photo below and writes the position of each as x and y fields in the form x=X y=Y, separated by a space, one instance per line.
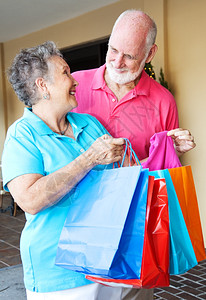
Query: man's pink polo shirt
x=147 y=109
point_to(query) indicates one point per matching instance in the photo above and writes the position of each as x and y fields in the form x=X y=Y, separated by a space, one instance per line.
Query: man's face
x=126 y=56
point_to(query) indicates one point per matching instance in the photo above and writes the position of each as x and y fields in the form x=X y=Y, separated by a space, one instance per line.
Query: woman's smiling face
x=62 y=86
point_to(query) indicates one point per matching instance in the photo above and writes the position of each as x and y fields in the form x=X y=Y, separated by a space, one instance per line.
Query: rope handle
x=132 y=155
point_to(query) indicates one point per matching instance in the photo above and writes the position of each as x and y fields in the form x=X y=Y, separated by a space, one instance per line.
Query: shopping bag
x=162 y=156
x=182 y=255
x=183 y=182
x=89 y=242
x=155 y=259
x=128 y=258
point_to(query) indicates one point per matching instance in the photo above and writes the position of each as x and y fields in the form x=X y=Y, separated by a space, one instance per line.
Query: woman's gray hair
x=27 y=66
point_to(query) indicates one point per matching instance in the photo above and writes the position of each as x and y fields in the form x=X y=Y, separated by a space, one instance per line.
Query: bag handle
x=132 y=155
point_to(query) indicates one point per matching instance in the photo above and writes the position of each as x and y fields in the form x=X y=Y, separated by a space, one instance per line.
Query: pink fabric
x=162 y=154
x=143 y=111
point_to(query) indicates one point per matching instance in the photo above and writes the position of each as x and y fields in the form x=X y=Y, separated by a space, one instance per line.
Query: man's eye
x=129 y=56
x=113 y=50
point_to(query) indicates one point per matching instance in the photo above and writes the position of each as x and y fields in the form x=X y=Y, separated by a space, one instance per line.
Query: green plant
x=162 y=80
x=150 y=71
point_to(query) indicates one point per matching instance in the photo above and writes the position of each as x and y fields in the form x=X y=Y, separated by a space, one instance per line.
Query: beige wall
x=186 y=48
x=181 y=40
x=3 y=107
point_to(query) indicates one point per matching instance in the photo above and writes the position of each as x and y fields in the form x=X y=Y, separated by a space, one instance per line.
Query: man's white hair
x=139 y=16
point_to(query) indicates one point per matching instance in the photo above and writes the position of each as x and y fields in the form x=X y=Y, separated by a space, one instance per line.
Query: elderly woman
x=46 y=153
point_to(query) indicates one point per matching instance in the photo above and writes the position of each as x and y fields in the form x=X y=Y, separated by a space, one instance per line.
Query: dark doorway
x=86 y=56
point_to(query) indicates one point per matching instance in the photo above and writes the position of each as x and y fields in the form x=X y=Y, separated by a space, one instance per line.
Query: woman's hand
x=106 y=150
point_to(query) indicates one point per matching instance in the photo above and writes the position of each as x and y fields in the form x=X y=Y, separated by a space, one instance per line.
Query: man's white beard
x=125 y=77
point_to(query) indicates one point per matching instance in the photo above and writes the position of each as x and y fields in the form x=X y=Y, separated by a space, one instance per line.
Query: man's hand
x=183 y=140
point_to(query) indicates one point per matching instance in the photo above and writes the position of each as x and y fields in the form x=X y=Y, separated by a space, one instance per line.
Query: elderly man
x=126 y=100
x=122 y=96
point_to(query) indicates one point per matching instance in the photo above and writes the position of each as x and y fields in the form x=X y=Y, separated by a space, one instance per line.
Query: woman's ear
x=41 y=84
x=42 y=87
x=152 y=53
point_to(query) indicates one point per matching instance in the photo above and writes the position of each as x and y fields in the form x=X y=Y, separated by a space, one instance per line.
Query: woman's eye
x=66 y=73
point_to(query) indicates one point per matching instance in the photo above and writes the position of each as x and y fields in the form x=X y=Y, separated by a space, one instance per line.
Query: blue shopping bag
x=128 y=258
x=182 y=255
x=104 y=230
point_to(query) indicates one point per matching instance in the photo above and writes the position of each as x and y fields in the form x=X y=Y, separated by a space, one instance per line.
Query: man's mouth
x=118 y=70
x=72 y=93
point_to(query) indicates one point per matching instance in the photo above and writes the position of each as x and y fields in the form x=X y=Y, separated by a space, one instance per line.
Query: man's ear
x=152 y=53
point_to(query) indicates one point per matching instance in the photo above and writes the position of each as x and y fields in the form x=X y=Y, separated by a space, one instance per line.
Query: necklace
x=63 y=131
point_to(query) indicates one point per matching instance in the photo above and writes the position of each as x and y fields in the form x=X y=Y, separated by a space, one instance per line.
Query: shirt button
x=82 y=150
x=113 y=100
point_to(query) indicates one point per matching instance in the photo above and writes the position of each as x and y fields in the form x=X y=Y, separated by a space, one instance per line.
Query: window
x=86 y=56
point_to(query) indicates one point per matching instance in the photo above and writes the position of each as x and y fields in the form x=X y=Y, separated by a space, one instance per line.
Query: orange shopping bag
x=185 y=189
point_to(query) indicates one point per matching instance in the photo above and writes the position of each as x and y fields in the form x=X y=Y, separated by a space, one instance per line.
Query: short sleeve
x=20 y=156
x=172 y=119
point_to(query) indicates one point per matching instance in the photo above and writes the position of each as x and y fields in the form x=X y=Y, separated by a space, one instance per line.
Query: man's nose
x=119 y=61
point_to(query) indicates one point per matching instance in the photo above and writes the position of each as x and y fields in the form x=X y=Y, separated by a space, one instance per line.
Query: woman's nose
x=75 y=83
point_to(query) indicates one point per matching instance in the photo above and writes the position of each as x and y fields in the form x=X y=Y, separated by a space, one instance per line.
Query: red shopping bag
x=183 y=182
x=155 y=259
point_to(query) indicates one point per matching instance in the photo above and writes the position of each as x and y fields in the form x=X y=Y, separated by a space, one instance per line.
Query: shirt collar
x=142 y=87
x=77 y=123
x=98 y=79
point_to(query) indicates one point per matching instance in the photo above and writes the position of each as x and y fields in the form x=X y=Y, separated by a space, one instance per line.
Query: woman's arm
x=34 y=192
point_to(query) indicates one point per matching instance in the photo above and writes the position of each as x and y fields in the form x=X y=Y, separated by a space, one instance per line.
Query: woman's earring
x=46 y=96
